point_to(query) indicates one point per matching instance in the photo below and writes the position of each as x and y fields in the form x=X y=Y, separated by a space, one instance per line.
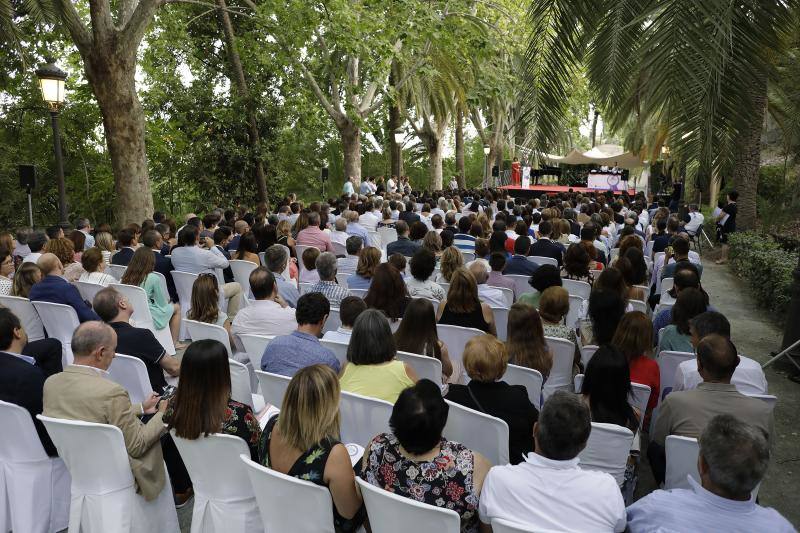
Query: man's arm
x=138 y=438
x=171 y=365
x=74 y=300
x=215 y=258
x=663 y=423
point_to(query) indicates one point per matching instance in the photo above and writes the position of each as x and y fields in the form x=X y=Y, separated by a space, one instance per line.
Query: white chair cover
x=88 y=290
x=504 y=526
x=241 y=390
x=425 y=367
x=607 y=450
x=541 y=260
x=273 y=387
x=142 y=317
x=640 y=395
x=391 y=513
x=479 y=432
x=60 y=321
x=374 y=239
x=507 y=293
x=224 y=501
x=339 y=249
x=254 y=346
x=388 y=235
x=501 y=322
x=681 y=461
x=34 y=488
x=28 y=317
x=668 y=363
x=131 y=374
x=203 y=330
x=361 y=293
x=241 y=274
x=560 y=377
x=587 y=352
x=183 y=286
x=468 y=256
x=116 y=271
x=456 y=338
x=107 y=503
x=339 y=349
x=575 y=304
x=529 y=378
x=334 y=321
x=577 y=288
x=341 y=278
x=362 y=418
x=288 y=504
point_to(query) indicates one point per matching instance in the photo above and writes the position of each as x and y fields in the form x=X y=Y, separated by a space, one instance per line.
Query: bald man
x=54 y=288
x=490 y=295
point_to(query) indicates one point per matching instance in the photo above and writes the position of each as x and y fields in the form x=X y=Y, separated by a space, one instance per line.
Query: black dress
x=472 y=319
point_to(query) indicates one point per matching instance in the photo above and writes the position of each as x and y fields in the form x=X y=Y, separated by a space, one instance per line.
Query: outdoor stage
x=535 y=191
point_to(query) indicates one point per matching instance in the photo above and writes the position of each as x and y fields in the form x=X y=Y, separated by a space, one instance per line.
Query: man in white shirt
x=490 y=295
x=349 y=309
x=368 y=219
x=391 y=184
x=36 y=241
x=549 y=491
x=348 y=264
x=348 y=188
x=269 y=314
x=339 y=231
x=696 y=220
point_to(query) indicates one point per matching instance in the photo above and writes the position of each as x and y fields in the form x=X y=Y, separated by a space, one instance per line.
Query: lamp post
x=51 y=83
x=486 y=151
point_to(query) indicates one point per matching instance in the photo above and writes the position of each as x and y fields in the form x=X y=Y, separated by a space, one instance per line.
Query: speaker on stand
x=27 y=181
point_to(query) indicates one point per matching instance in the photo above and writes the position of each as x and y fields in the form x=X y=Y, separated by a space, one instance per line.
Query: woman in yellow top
x=371 y=368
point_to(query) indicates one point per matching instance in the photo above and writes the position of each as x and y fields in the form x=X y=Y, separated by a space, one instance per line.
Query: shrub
x=767 y=268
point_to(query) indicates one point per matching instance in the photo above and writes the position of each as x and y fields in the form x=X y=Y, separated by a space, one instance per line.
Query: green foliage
x=767 y=268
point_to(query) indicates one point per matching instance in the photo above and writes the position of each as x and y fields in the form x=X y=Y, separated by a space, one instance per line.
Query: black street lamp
x=51 y=81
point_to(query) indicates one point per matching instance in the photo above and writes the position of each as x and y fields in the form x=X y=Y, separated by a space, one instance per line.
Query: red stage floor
x=559 y=189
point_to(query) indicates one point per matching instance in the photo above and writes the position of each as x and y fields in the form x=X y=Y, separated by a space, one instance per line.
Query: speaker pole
x=30 y=209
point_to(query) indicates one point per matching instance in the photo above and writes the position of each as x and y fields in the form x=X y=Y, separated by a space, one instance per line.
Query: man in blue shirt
x=463 y=240
x=519 y=262
x=354 y=228
x=403 y=245
x=54 y=288
x=287 y=354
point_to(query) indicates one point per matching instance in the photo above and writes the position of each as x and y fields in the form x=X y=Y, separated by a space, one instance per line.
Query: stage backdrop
x=605 y=182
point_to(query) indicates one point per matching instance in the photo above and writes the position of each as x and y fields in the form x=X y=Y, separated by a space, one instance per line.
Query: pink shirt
x=313 y=236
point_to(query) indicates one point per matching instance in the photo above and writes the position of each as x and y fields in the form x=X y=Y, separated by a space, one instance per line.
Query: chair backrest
x=116 y=271
x=541 y=260
x=88 y=448
x=334 y=320
x=240 y=383
x=162 y=279
x=607 y=450
x=273 y=387
x=215 y=468
x=361 y=293
x=501 y=322
x=666 y=285
x=339 y=249
x=204 y=330
x=254 y=346
x=681 y=455
x=25 y=447
x=668 y=363
x=141 y=307
x=560 y=378
x=338 y=348
x=507 y=293
x=391 y=513
x=88 y=290
x=595 y=273
x=183 y=286
x=287 y=503
x=341 y=278
x=60 y=322
x=388 y=235
x=504 y=526
x=640 y=395
x=531 y=379
x=578 y=383
x=299 y=249
x=375 y=240
x=587 y=352
x=362 y=418
x=425 y=367
x=638 y=305
x=577 y=288
x=467 y=256
x=27 y=315
x=456 y=338
x=241 y=273
x=479 y=432
x=131 y=374
x=575 y=304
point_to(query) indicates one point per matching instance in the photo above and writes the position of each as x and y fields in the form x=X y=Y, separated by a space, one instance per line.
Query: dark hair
x=733 y=195
x=717 y=356
x=418 y=231
x=447 y=238
x=221 y=233
x=464 y=224
x=188 y=235
x=497 y=241
x=544 y=277
x=200 y=403
x=8 y=323
x=607 y=383
x=311 y=308
x=78 y=239
x=398 y=261
x=247 y=243
x=680 y=246
x=563 y=427
x=353 y=244
x=349 y=309
x=401 y=227
x=497 y=261
x=711 y=322
x=638 y=270
x=52 y=232
x=522 y=245
x=423 y=263
x=526 y=344
x=690 y=303
x=36 y=241
x=606 y=308
x=371 y=342
x=387 y=292
x=125 y=236
x=611 y=279
x=262 y=283
x=576 y=261
x=150 y=238
x=419 y=416
x=545 y=228
x=91 y=259
x=417 y=332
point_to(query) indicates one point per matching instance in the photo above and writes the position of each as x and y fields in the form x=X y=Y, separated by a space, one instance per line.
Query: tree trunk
x=460 y=166
x=748 y=160
x=350 y=135
x=240 y=82
x=111 y=74
x=434 y=147
x=396 y=150
x=594 y=126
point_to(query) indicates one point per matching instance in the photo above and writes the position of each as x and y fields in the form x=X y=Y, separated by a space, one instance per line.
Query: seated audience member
x=661 y=238
x=247 y=249
x=115 y=310
x=417 y=334
x=623 y=264
x=104 y=241
x=303 y=442
x=269 y=314
x=368 y=261
x=748 y=377
x=309 y=274
x=287 y=354
x=606 y=388
x=525 y=342
x=326 y=270
x=152 y=239
x=420 y=284
x=127 y=244
x=277 y=259
x=451 y=261
x=387 y=292
x=577 y=264
x=339 y=233
x=680 y=253
x=65 y=251
x=433 y=242
x=687 y=412
x=545 y=247
x=54 y=232
x=497 y=262
x=606 y=309
x=408 y=461
x=348 y=264
x=403 y=245
x=399 y=262
x=610 y=279
x=94 y=267
x=313 y=236
x=83 y=392
x=24 y=367
x=205 y=303
x=349 y=309
x=205 y=387
x=463 y=307
x=36 y=241
x=685 y=278
x=6 y=271
x=519 y=263
x=490 y=295
x=240 y=227
x=486 y=361
x=553 y=308
x=356 y=229
x=462 y=239
x=27 y=275
x=546 y=276
x=732 y=461
x=140 y=274
x=676 y=337
x=54 y=288
x=371 y=368
x=634 y=338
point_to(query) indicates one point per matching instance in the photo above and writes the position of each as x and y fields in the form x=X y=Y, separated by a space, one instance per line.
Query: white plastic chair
x=668 y=363
x=456 y=338
x=640 y=395
x=529 y=378
x=288 y=504
x=362 y=418
x=339 y=249
x=504 y=526
x=34 y=488
x=254 y=346
x=575 y=304
x=361 y=293
x=560 y=377
x=241 y=274
x=183 y=286
x=88 y=290
x=106 y=503
x=334 y=321
x=224 y=500
x=501 y=322
x=273 y=387
x=203 y=330
x=391 y=513
x=131 y=374
x=304 y=287
x=142 y=317
x=681 y=455
x=587 y=352
x=425 y=367
x=241 y=390
x=116 y=271
x=341 y=278
x=607 y=450
x=577 y=288
x=388 y=235
x=507 y=293
x=27 y=315
x=638 y=305
x=541 y=260
x=60 y=321
x=339 y=349
x=467 y=256
x=479 y=432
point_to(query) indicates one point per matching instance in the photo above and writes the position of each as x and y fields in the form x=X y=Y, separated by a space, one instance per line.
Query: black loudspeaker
x=495 y=171
x=323 y=175
x=27 y=177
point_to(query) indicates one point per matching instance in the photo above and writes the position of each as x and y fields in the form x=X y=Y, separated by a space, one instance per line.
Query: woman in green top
x=676 y=337
x=543 y=278
x=140 y=274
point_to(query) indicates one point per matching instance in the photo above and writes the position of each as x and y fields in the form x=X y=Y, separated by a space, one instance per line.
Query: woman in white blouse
x=6 y=271
x=94 y=264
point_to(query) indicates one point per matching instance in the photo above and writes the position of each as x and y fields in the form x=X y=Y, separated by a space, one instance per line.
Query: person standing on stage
x=516 y=173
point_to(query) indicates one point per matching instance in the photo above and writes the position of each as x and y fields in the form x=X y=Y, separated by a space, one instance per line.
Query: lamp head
x=486 y=149
x=51 y=82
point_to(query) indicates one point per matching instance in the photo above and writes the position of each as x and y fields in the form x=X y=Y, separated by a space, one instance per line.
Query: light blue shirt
x=354 y=228
x=354 y=281
x=348 y=188
x=697 y=509
x=89 y=241
x=287 y=290
x=287 y=354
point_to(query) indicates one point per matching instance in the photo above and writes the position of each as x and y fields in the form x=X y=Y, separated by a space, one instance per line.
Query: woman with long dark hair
x=607 y=387
x=388 y=292
x=417 y=334
x=140 y=274
x=248 y=248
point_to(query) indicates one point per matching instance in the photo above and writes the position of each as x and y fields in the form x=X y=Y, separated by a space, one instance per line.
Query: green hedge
x=767 y=268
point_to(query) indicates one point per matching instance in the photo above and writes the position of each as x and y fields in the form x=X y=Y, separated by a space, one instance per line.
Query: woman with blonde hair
x=451 y=260
x=27 y=275
x=140 y=274
x=525 y=342
x=433 y=242
x=368 y=261
x=303 y=442
x=94 y=267
x=104 y=241
x=205 y=302
x=553 y=307
x=65 y=251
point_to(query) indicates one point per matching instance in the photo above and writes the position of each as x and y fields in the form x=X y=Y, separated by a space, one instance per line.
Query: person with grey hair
x=36 y=241
x=490 y=295
x=544 y=491
x=733 y=460
x=339 y=231
x=313 y=235
x=277 y=259
x=326 y=269
x=84 y=226
x=355 y=228
x=353 y=245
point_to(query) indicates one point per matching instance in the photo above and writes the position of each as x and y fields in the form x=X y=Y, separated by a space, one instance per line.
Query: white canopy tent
x=604 y=154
